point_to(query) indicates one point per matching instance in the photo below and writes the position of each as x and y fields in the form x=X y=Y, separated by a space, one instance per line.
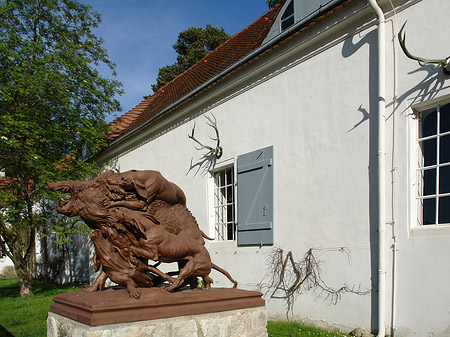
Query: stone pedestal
x=193 y=313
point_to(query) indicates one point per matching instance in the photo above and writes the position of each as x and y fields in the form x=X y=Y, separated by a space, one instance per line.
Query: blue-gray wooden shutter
x=255 y=198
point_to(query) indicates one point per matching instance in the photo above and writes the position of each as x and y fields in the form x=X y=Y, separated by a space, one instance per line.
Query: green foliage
x=61 y=226
x=27 y=316
x=272 y=3
x=52 y=98
x=201 y=283
x=53 y=102
x=192 y=45
x=65 y=230
x=294 y=329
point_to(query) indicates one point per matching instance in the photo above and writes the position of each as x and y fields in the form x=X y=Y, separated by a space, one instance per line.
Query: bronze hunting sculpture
x=137 y=216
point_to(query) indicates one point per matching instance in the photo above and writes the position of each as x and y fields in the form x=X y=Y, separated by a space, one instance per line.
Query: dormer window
x=287 y=19
x=297 y=12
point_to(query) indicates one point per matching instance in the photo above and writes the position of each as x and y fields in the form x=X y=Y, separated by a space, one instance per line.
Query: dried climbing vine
x=293 y=277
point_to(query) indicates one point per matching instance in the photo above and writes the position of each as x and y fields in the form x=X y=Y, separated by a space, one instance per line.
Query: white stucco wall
x=420 y=292
x=5 y=262
x=316 y=105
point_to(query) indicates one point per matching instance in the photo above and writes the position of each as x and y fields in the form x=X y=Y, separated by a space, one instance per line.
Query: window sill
x=222 y=247
x=429 y=231
x=231 y=248
x=228 y=243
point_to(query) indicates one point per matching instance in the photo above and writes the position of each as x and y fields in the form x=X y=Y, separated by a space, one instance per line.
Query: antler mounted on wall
x=444 y=63
x=215 y=152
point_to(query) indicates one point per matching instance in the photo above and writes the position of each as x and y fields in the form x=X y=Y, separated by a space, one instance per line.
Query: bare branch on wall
x=293 y=277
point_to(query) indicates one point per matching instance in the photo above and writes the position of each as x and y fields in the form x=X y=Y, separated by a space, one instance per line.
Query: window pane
x=289 y=10
x=444 y=179
x=287 y=19
x=429 y=211
x=223 y=199
x=428 y=123
x=217 y=215
x=287 y=23
x=229 y=194
x=230 y=232
x=216 y=179
x=229 y=176
x=444 y=149
x=444 y=210
x=429 y=182
x=229 y=213
x=429 y=152
x=232 y=213
x=445 y=118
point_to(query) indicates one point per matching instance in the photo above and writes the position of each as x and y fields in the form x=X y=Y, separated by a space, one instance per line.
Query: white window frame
x=417 y=229
x=218 y=216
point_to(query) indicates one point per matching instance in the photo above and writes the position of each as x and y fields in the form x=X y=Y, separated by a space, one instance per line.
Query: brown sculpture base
x=116 y=306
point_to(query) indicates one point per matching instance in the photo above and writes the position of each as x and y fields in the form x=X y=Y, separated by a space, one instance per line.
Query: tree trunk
x=24 y=278
x=44 y=252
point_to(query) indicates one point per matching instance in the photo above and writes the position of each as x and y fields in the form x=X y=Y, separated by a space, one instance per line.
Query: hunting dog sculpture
x=138 y=216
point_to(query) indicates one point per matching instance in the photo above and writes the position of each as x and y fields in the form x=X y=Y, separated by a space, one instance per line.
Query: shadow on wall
x=202 y=166
x=349 y=48
x=426 y=89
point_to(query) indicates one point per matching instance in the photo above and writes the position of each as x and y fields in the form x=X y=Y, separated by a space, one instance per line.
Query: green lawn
x=294 y=329
x=27 y=316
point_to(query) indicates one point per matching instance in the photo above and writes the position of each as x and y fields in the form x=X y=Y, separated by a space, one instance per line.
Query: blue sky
x=139 y=34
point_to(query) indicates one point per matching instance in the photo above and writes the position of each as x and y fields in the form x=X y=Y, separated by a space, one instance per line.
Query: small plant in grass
x=201 y=283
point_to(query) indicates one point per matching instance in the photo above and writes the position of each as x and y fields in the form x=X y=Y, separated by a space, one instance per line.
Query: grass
x=26 y=316
x=294 y=329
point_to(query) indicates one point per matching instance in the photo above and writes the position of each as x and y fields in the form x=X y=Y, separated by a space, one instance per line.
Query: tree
x=53 y=102
x=192 y=45
x=272 y=3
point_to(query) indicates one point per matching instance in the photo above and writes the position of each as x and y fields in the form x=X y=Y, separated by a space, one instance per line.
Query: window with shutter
x=255 y=198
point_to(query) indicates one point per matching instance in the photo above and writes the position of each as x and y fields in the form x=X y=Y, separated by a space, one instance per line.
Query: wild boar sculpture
x=137 y=216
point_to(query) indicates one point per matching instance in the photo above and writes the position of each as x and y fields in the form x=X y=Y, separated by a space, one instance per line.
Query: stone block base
x=249 y=322
x=216 y=312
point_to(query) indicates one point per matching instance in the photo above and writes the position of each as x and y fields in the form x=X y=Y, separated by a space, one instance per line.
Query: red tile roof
x=230 y=52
